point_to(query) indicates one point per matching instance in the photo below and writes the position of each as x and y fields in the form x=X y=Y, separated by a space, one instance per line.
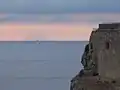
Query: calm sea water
x=44 y=66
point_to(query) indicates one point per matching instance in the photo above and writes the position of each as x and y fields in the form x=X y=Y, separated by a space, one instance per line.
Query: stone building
x=104 y=52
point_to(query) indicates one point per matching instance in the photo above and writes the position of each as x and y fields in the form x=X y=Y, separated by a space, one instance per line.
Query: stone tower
x=105 y=45
x=106 y=50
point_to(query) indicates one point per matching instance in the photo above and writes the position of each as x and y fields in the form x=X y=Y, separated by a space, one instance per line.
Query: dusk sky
x=54 y=19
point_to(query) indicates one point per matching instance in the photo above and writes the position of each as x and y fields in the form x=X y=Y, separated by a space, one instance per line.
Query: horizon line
x=42 y=40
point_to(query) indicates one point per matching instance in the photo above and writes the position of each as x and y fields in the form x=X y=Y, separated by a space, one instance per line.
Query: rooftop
x=109 y=26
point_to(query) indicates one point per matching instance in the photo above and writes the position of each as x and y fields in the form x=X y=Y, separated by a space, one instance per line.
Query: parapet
x=109 y=26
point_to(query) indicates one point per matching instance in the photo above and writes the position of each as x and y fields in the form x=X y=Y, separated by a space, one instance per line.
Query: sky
x=54 y=19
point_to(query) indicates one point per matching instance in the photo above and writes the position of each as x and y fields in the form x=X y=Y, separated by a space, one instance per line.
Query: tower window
x=91 y=46
x=107 y=45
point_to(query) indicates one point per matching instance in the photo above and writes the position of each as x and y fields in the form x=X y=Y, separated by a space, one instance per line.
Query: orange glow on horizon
x=53 y=31
x=59 y=30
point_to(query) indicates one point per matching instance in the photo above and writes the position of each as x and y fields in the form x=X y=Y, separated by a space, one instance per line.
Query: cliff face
x=101 y=60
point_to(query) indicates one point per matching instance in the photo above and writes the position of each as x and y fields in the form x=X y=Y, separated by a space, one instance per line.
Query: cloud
x=58 y=31
x=52 y=26
x=90 y=18
x=58 y=6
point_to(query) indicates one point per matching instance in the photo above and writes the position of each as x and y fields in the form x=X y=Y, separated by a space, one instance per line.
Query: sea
x=39 y=65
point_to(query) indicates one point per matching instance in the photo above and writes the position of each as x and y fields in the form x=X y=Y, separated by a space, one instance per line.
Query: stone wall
x=106 y=45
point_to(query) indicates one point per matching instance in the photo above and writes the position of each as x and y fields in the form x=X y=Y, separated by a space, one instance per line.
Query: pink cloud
x=79 y=27
x=54 y=31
